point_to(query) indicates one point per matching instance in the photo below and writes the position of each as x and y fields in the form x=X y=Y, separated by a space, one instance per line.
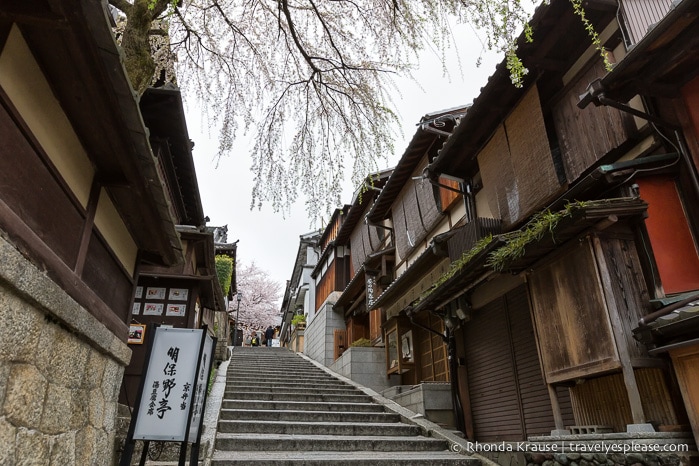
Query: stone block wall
x=432 y=400
x=319 y=335
x=364 y=365
x=60 y=372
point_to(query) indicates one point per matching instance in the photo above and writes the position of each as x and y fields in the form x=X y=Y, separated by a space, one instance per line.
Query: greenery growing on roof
x=298 y=319
x=361 y=343
x=515 y=243
x=458 y=264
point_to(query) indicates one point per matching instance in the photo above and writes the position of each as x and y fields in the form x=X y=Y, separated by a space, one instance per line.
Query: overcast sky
x=270 y=240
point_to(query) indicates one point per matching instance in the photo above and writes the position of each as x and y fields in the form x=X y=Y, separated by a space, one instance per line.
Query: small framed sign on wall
x=137 y=334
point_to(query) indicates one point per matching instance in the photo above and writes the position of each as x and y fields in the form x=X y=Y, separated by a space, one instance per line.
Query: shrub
x=361 y=343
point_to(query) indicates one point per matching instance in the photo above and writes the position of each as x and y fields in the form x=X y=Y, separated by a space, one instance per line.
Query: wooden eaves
x=587 y=216
x=559 y=39
x=73 y=43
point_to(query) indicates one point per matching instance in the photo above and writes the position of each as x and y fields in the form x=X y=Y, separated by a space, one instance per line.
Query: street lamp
x=237 y=313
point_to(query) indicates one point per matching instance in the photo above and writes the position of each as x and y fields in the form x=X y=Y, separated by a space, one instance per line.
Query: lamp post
x=237 y=313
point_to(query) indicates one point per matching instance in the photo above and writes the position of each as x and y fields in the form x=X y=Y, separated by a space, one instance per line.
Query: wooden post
x=555 y=407
x=637 y=413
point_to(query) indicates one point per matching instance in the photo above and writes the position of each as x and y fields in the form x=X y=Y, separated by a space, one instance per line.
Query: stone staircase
x=280 y=409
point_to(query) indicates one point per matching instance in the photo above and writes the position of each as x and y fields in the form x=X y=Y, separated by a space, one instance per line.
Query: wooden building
x=662 y=67
x=187 y=295
x=83 y=203
x=372 y=257
x=522 y=241
x=330 y=276
x=578 y=189
x=300 y=293
x=418 y=212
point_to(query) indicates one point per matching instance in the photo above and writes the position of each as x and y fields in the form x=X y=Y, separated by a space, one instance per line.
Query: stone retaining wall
x=364 y=365
x=60 y=372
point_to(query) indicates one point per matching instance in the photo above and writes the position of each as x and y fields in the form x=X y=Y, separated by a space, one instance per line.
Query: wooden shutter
x=509 y=398
x=340 y=342
x=491 y=376
x=534 y=397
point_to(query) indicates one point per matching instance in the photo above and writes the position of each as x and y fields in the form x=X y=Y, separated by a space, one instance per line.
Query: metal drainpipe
x=602 y=99
x=454 y=370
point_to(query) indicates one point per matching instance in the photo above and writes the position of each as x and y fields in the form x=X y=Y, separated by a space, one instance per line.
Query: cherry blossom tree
x=310 y=79
x=259 y=306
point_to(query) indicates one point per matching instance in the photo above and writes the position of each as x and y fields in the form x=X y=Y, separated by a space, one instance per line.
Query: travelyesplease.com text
x=570 y=447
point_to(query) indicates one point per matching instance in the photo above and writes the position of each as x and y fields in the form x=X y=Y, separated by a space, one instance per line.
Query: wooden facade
x=508 y=397
x=549 y=342
x=686 y=363
x=432 y=351
x=82 y=206
x=516 y=165
x=604 y=401
x=585 y=136
x=589 y=288
x=332 y=272
x=188 y=294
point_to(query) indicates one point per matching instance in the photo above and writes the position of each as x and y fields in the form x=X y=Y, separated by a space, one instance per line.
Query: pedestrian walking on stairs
x=269 y=335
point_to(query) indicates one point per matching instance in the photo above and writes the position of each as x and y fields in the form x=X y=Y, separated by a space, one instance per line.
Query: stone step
x=306 y=415
x=318 y=428
x=276 y=373
x=302 y=405
x=336 y=443
x=345 y=390
x=280 y=409
x=297 y=396
x=232 y=383
x=272 y=363
x=359 y=458
x=275 y=367
x=288 y=379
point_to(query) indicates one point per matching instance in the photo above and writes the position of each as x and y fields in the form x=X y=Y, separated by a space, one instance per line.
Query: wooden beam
x=637 y=412
x=555 y=408
x=92 y=203
x=33 y=246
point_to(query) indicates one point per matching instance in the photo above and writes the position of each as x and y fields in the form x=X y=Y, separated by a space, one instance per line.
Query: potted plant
x=299 y=321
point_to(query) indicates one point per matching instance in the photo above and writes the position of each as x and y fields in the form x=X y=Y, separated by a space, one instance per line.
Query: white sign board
x=169 y=385
x=202 y=381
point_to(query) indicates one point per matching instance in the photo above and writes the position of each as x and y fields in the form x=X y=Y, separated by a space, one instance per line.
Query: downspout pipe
x=595 y=95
